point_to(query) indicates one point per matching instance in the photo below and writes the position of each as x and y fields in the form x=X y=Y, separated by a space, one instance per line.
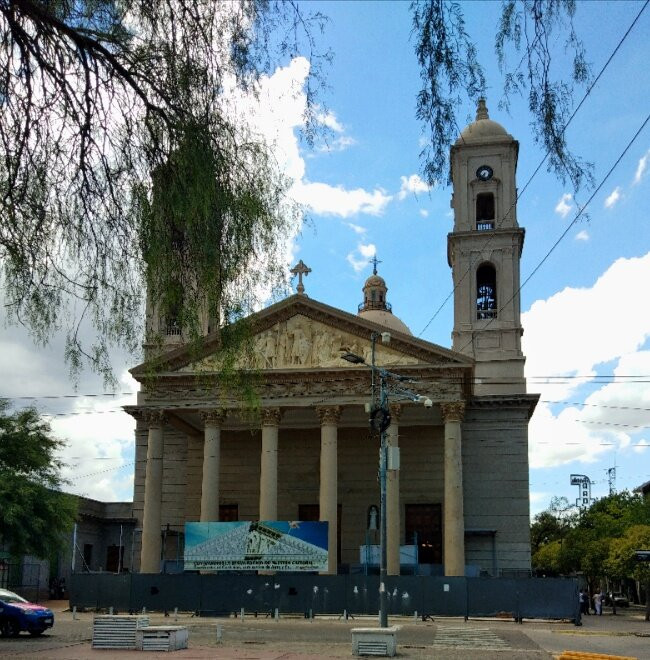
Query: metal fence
x=28 y=579
x=220 y=594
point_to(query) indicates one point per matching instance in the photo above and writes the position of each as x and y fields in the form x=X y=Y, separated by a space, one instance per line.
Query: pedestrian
x=598 y=602
x=584 y=601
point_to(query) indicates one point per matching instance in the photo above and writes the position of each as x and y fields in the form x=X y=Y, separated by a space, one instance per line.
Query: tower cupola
x=375 y=307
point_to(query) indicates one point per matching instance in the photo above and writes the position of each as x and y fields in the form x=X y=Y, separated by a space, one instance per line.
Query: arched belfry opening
x=486 y=292
x=485 y=211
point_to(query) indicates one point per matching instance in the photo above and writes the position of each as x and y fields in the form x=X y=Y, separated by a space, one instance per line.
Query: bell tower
x=484 y=251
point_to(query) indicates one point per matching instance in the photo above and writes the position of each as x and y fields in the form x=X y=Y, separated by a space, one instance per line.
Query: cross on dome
x=374 y=261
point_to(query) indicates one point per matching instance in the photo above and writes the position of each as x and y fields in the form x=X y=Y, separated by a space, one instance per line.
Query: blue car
x=17 y=614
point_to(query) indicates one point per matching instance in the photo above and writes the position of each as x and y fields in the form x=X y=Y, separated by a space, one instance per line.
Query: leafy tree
x=599 y=543
x=122 y=145
x=450 y=72
x=34 y=514
x=621 y=562
x=105 y=101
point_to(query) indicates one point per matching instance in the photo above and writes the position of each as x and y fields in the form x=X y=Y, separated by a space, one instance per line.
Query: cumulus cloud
x=641 y=167
x=412 y=184
x=360 y=258
x=613 y=197
x=357 y=229
x=325 y=199
x=99 y=451
x=565 y=205
x=571 y=335
x=582 y=235
x=330 y=120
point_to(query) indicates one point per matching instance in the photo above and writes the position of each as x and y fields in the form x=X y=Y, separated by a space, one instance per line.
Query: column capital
x=155 y=418
x=452 y=411
x=135 y=411
x=215 y=416
x=328 y=414
x=271 y=416
x=396 y=410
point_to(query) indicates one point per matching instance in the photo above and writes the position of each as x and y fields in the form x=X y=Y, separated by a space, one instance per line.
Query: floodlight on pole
x=380 y=421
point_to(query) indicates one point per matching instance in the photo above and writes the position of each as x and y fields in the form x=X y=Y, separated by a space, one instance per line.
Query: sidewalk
x=300 y=639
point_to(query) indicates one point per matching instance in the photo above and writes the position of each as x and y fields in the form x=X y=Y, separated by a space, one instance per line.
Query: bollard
x=241 y=614
x=415 y=616
x=219 y=633
x=311 y=615
x=144 y=610
x=176 y=614
x=345 y=615
x=74 y=613
x=110 y=610
x=277 y=614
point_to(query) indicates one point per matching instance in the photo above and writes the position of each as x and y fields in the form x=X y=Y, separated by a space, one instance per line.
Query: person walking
x=598 y=602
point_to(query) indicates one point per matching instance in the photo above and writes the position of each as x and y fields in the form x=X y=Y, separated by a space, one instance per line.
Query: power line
x=569 y=226
x=534 y=174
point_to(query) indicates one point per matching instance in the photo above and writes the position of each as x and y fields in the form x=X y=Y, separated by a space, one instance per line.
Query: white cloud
x=565 y=205
x=357 y=229
x=641 y=167
x=572 y=334
x=412 y=184
x=339 y=144
x=614 y=197
x=582 y=235
x=325 y=199
x=99 y=446
x=330 y=120
x=360 y=258
x=424 y=213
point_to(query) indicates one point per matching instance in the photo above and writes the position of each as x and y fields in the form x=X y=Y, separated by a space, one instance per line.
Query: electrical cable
x=539 y=166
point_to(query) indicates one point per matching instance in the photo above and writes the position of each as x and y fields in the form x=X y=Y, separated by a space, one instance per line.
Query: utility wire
x=566 y=231
x=539 y=166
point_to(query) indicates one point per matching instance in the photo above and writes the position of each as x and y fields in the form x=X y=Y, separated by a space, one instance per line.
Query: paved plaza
x=290 y=638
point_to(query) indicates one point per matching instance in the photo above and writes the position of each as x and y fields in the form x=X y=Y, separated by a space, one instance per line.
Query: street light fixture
x=380 y=420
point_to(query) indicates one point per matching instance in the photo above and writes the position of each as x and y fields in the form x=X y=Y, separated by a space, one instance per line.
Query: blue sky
x=585 y=311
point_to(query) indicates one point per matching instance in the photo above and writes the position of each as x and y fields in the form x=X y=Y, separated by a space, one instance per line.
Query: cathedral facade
x=457 y=485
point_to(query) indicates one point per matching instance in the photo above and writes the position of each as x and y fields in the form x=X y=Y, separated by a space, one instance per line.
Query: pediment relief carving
x=301 y=342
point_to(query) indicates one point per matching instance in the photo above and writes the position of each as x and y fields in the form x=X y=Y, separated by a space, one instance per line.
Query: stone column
x=454 y=522
x=212 y=421
x=151 y=519
x=392 y=498
x=269 y=464
x=329 y=419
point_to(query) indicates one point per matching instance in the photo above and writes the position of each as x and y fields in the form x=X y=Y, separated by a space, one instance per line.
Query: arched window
x=485 y=211
x=486 y=292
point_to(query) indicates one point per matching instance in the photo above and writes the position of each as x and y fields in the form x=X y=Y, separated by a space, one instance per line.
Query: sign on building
x=268 y=545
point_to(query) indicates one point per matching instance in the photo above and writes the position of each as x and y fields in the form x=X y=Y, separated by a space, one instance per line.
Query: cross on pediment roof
x=300 y=269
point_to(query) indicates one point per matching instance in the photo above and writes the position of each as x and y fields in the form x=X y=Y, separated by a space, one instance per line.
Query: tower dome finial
x=481 y=110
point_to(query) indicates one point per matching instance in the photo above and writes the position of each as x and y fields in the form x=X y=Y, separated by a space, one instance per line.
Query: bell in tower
x=484 y=251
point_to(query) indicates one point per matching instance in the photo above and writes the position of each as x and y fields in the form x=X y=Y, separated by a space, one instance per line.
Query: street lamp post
x=382 y=411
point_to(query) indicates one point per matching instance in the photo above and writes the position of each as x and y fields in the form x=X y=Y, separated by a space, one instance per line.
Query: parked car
x=17 y=614
x=619 y=599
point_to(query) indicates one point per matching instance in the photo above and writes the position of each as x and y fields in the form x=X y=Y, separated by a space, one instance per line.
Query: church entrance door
x=424 y=523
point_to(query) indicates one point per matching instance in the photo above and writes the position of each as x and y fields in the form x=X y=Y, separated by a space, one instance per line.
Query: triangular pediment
x=300 y=333
x=301 y=342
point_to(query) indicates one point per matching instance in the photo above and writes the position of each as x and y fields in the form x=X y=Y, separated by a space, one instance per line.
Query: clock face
x=484 y=173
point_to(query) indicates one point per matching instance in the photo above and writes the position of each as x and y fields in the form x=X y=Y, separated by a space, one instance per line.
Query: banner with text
x=268 y=545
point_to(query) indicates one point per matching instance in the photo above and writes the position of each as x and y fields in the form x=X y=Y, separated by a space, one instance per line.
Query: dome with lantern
x=375 y=307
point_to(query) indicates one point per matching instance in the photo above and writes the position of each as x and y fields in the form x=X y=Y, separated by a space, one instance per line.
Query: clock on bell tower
x=484 y=251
